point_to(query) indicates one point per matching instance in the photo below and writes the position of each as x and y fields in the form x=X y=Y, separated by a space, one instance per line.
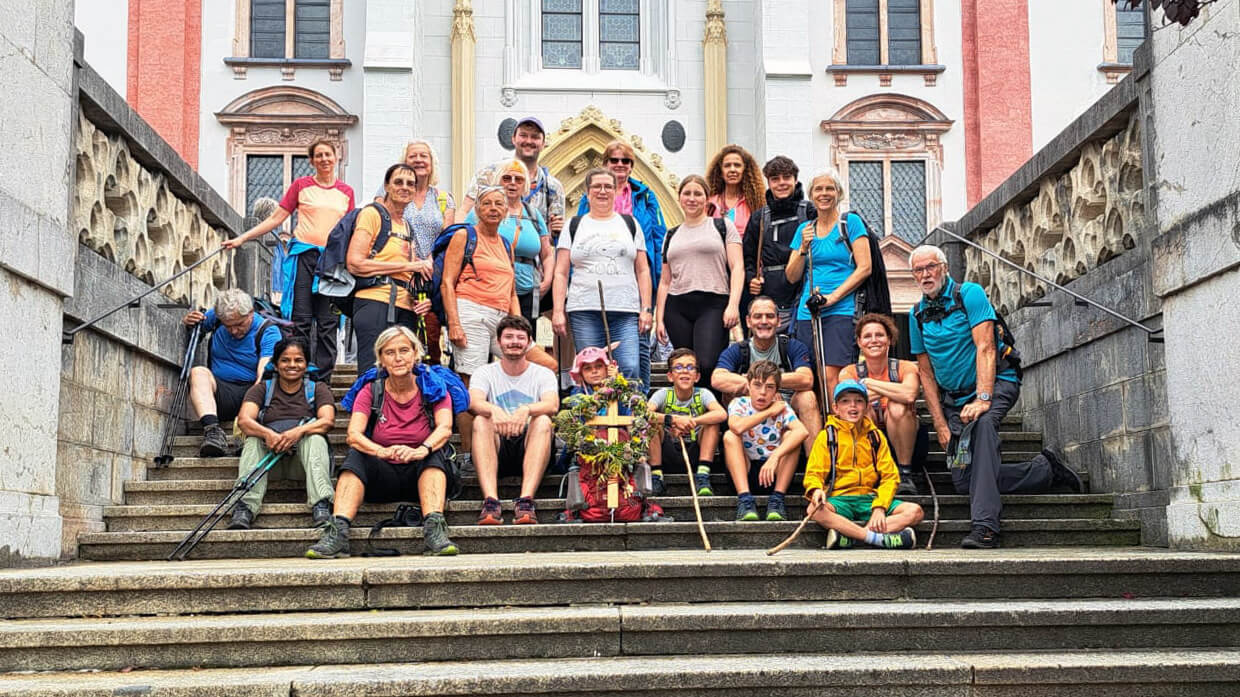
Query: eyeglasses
x=509 y=178
x=620 y=161
x=683 y=368
x=602 y=187
x=926 y=268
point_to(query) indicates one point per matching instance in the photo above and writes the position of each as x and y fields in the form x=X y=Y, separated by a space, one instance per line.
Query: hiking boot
x=435 y=536
x=523 y=512
x=335 y=540
x=701 y=480
x=242 y=518
x=907 y=486
x=981 y=537
x=657 y=487
x=465 y=462
x=905 y=539
x=1063 y=476
x=746 y=509
x=567 y=517
x=321 y=512
x=656 y=515
x=776 y=510
x=215 y=443
x=491 y=513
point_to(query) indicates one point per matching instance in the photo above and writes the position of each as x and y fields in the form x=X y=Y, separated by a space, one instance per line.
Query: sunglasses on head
x=620 y=160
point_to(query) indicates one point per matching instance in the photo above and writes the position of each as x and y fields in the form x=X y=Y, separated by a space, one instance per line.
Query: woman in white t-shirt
x=603 y=247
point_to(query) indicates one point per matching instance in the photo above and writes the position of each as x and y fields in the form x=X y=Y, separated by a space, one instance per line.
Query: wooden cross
x=612 y=421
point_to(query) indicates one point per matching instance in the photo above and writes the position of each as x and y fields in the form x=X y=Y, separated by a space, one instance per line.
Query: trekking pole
x=224 y=507
x=934 y=496
x=178 y=398
x=697 y=509
x=602 y=311
x=809 y=513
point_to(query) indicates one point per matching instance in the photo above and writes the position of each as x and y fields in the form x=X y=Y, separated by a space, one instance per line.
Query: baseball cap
x=531 y=120
x=851 y=386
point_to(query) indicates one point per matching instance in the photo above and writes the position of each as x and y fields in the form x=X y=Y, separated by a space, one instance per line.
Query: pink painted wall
x=998 y=119
x=165 y=47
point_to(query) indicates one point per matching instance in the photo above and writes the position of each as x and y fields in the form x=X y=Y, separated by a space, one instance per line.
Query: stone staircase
x=1071 y=605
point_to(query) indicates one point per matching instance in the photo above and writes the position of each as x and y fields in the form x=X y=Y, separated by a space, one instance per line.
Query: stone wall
x=1094 y=385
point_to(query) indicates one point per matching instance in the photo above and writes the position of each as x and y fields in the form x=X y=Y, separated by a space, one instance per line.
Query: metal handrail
x=67 y=337
x=1081 y=299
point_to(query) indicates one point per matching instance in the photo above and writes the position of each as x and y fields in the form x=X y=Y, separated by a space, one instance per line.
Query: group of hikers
x=774 y=364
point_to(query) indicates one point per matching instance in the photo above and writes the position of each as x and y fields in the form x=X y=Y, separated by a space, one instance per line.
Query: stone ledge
x=1198 y=247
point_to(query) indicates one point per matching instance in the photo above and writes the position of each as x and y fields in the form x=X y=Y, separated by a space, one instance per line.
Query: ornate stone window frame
x=240 y=61
x=1110 y=65
x=840 y=69
x=280 y=120
x=888 y=127
x=523 y=71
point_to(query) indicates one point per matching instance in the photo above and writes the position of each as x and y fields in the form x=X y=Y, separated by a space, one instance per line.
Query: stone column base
x=29 y=529
x=1205 y=517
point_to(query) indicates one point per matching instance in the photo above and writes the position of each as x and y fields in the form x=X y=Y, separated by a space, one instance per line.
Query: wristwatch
x=648 y=309
x=667 y=420
x=983 y=396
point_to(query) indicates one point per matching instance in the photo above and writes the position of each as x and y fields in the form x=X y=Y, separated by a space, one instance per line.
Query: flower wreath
x=590 y=442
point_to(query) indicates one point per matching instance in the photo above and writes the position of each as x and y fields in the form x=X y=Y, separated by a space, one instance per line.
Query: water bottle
x=641 y=473
x=574 y=500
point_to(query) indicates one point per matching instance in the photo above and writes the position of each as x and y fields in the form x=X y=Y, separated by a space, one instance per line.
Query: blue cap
x=851 y=386
x=531 y=120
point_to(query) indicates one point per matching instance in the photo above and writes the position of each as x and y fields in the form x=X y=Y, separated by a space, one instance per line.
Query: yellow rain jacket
x=859 y=470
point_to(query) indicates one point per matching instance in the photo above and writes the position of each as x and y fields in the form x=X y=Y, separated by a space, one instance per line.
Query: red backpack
x=633 y=507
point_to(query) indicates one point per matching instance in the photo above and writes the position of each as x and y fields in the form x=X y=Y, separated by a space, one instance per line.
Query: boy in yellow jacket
x=861 y=504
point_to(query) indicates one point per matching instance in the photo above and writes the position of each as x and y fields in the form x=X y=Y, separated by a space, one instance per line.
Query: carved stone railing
x=1075 y=221
x=131 y=216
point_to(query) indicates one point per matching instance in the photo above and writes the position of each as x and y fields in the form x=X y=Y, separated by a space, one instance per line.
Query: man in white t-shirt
x=512 y=401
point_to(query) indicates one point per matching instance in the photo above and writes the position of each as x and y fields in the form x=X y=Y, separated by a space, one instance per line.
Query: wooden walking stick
x=613 y=413
x=697 y=510
x=809 y=513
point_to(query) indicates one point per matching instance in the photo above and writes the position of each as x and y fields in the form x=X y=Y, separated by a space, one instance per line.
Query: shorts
x=386 y=482
x=674 y=460
x=228 y=398
x=857 y=507
x=479 y=323
x=510 y=458
x=839 y=343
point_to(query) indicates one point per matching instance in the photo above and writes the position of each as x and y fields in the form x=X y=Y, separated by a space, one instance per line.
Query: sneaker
x=215 y=443
x=523 y=512
x=657 y=487
x=321 y=512
x=981 y=537
x=701 y=480
x=491 y=513
x=465 y=462
x=775 y=509
x=567 y=517
x=242 y=518
x=907 y=486
x=905 y=539
x=335 y=540
x=435 y=536
x=1063 y=476
x=746 y=509
x=838 y=541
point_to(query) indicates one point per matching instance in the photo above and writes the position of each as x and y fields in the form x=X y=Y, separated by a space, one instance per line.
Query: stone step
x=787 y=627
x=475 y=539
x=206 y=586
x=719 y=508
x=1088 y=673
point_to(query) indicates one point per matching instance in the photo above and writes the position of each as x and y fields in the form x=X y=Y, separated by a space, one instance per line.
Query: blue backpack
x=434 y=382
x=269 y=382
x=437 y=253
x=332 y=271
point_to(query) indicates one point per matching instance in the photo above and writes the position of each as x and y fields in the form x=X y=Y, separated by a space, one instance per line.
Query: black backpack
x=874 y=294
x=720 y=226
x=334 y=279
x=785 y=363
x=576 y=221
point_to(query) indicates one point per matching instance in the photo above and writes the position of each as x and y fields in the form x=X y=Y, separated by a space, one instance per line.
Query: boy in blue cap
x=860 y=505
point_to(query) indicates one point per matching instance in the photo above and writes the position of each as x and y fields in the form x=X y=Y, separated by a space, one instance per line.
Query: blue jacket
x=647 y=214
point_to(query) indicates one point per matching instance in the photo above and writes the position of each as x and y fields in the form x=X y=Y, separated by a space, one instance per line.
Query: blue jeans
x=587 y=328
x=643 y=360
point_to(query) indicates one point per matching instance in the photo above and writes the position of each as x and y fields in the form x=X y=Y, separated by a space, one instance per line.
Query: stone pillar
x=715 y=65
x=165 y=48
x=463 y=68
x=1193 y=133
x=37 y=254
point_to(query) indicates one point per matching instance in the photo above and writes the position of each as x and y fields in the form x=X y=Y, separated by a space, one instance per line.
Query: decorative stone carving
x=671 y=100
x=463 y=20
x=888 y=141
x=130 y=215
x=508 y=97
x=1078 y=220
x=716 y=28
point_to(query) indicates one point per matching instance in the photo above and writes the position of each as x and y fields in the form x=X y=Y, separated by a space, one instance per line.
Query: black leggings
x=309 y=309
x=369 y=321
x=695 y=320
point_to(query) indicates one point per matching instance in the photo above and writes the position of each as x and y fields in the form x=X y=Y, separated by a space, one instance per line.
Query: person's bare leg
x=805 y=404
x=906 y=515
x=737 y=462
x=829 y=519
x=486 y=456
x=708 y=444
x=537 y=451
x=432 y=490
x=202 y=391
x=539 y=356
x=465 y=424
x=784 y=470
x=832 y=373
x=902 y=428
x=349 y=494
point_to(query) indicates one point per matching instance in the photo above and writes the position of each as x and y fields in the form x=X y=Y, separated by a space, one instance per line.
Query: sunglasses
x=620 y=160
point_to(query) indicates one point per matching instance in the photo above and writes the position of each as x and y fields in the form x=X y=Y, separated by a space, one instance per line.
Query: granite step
x=695 y=629
x=1086 y=673
x=473 y=539
x=714 y=508
x=206 y=586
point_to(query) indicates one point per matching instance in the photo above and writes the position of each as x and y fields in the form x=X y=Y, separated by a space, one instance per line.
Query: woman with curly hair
x=736 y=179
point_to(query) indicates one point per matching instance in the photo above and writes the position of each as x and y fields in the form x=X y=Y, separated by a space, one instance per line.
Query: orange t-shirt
x=489 y=280
x=396 y=249
x=849 y=372
x=318 y=208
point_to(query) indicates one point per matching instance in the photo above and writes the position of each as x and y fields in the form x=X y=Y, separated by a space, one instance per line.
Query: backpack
x=576 y=221
x=874 y=295
x=269 y=383
x=833 y=448
x=785 y=363
x=696 y=407
x=893 y=369
x=765 y=224
x=332 y=272
x=439 y=250
x=434 y=381
x=1006 y=355
x=720 y=226
x=268 y=316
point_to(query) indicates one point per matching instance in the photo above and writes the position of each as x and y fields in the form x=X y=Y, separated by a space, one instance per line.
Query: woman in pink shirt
x=320 y=201
x=736 y=179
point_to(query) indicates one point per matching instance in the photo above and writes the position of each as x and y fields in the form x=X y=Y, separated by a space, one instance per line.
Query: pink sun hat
x=585 y=357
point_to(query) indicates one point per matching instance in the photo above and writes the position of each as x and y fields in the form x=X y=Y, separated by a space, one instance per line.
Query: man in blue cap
x=851 y=479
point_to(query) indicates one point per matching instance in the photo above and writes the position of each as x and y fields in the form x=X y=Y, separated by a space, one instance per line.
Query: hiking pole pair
x=225 y=507
x=178 y=398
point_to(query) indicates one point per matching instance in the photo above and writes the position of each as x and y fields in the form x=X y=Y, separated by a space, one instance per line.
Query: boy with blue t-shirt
x=761 y=443
x=689 y=414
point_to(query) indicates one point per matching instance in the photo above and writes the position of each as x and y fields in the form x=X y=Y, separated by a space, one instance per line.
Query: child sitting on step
x=761 y=444
x=851 y=479
x=689 y=413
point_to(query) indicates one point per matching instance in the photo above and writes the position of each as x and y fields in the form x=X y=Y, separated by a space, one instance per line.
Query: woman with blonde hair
x=736 y=180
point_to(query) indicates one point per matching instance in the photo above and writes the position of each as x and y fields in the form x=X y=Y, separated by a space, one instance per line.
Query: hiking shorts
x=510 y=458
x=857 y=507
x=228 y=398
x=387 y=482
